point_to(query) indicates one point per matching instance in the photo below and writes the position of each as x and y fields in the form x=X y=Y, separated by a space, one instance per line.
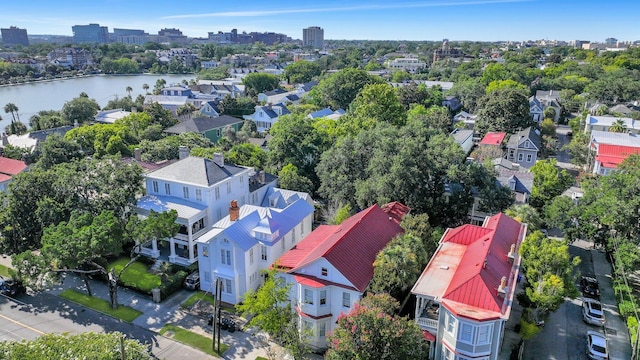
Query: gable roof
x=350 y=247
x=613 y=155
x=528 y=133
x=202 y=124
x=11 y=167
x=306 y=87
x=493 y=138
x=271 y=113
x=197 y=171
x=468 y=265
x=461 y=135
x=261 y=219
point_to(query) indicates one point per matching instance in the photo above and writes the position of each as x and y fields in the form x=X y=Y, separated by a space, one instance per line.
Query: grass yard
x=261 y=358
x=4 y=271
x=197 y=341
x=206 y=297
x=122 y=312
x=136 y=275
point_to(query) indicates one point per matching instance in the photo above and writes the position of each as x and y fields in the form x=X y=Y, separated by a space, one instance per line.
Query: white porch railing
x=427 y=323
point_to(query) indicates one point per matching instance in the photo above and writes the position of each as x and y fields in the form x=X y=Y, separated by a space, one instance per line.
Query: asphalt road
x=564 y=335
x=45 y=313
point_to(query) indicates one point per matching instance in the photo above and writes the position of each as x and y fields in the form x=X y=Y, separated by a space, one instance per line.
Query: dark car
x=11 y=287
x=589 y=286
x=192 y=282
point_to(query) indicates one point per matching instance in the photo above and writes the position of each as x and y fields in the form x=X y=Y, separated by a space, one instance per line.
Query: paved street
x=33 y=315
x=564 y=334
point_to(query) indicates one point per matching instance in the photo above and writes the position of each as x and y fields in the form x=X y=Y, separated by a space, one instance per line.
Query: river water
x=51 y=95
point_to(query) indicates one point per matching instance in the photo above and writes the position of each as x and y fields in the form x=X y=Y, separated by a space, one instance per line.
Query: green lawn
x=206 y=297
x=4 y=271
x=122 y=312
x=261 y=358
x=197 y=341
x=136 y=275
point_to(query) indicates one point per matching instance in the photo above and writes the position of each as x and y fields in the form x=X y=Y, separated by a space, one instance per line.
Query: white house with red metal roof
x=331 y=268
x=8 y=169
x=464 y=295
x=609 y=149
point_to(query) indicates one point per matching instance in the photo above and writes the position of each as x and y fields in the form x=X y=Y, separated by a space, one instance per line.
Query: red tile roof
x=493 y=138
x=612 y=155
x=10 y=166
x=350 y=247
x=470 y=263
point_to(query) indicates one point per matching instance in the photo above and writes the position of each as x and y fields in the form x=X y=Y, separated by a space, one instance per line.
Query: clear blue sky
x=481 y=20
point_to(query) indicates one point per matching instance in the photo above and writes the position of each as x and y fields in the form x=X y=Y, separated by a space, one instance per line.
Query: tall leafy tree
x=374 y=104
x=549 y=270
x=525 y=213
x=505 y=109
x=549 y=181
x=88 y=345
x=256 y=83
x=339 y=89
x=291 y=180
x=371 y=333
x=398 y=265
x=301 y=72
x=80 y=109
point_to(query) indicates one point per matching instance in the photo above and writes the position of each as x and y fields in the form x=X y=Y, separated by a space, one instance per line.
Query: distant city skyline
x=457 y=20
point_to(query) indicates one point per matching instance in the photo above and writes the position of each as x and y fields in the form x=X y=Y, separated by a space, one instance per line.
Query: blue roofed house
x=326 y=113
x=200 y=190
x=266 y=116
x=238 y=247
x=536 y=109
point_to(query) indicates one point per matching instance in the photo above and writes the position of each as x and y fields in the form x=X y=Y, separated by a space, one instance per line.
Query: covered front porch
x=427 y=314
x=180 y=249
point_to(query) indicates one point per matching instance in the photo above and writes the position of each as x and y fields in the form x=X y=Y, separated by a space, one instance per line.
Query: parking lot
x=564 y=333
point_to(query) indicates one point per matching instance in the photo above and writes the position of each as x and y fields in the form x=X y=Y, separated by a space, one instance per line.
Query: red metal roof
x=612 y=155
x=4 y=177
x=428 y=336
x=396 y=210
x=493 y=138
x=472 y=260
x=350 y=247
x=10 y=166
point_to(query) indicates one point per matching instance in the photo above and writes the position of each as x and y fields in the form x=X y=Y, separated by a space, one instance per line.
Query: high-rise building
x=313 y=36
x=92 y=33
x=14 y=36
x=130 y=36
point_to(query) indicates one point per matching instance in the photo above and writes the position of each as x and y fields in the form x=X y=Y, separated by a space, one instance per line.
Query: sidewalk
x=242 y=344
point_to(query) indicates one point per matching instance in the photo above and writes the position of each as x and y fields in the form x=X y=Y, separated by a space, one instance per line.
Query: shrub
x=632 y=324
x=626 y=308
x=172 y=283
x=528 y=330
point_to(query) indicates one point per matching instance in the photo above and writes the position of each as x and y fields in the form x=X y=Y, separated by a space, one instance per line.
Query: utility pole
x=123 y=356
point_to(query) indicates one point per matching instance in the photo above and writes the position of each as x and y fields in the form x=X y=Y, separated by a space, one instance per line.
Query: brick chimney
x=234 y=211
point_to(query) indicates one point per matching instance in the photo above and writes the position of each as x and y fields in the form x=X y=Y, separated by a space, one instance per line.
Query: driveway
x=564 y=334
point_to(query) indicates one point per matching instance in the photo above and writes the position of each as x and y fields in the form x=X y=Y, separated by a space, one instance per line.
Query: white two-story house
x=200 y=190
x=250 y=239
x=464 y=295
x=266 y=116
x=331 y=268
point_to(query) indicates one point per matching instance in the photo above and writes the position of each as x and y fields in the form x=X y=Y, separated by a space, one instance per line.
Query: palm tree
x=12 y=109
x=145 y=87
x=129 y=90
x=186 y=109
x=618 y=126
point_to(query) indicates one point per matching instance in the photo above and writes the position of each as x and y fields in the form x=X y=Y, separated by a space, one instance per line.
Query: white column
x=172 y=245
x=155 y=253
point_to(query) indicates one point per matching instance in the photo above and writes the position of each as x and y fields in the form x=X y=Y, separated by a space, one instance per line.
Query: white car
x=597 y=346
x=592 y=312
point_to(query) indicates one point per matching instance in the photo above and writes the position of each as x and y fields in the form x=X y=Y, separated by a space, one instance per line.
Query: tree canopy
x=369 y=332
x=339 y=89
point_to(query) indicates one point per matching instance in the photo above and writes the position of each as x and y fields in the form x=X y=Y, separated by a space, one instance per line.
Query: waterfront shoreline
x=88 y=75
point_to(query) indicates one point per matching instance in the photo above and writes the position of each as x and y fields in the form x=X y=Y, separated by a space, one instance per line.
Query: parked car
x=597 y=346
x=11 y=287
x=192 y=282
x=592 y=312
x=590 y=286
x=569 y=133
